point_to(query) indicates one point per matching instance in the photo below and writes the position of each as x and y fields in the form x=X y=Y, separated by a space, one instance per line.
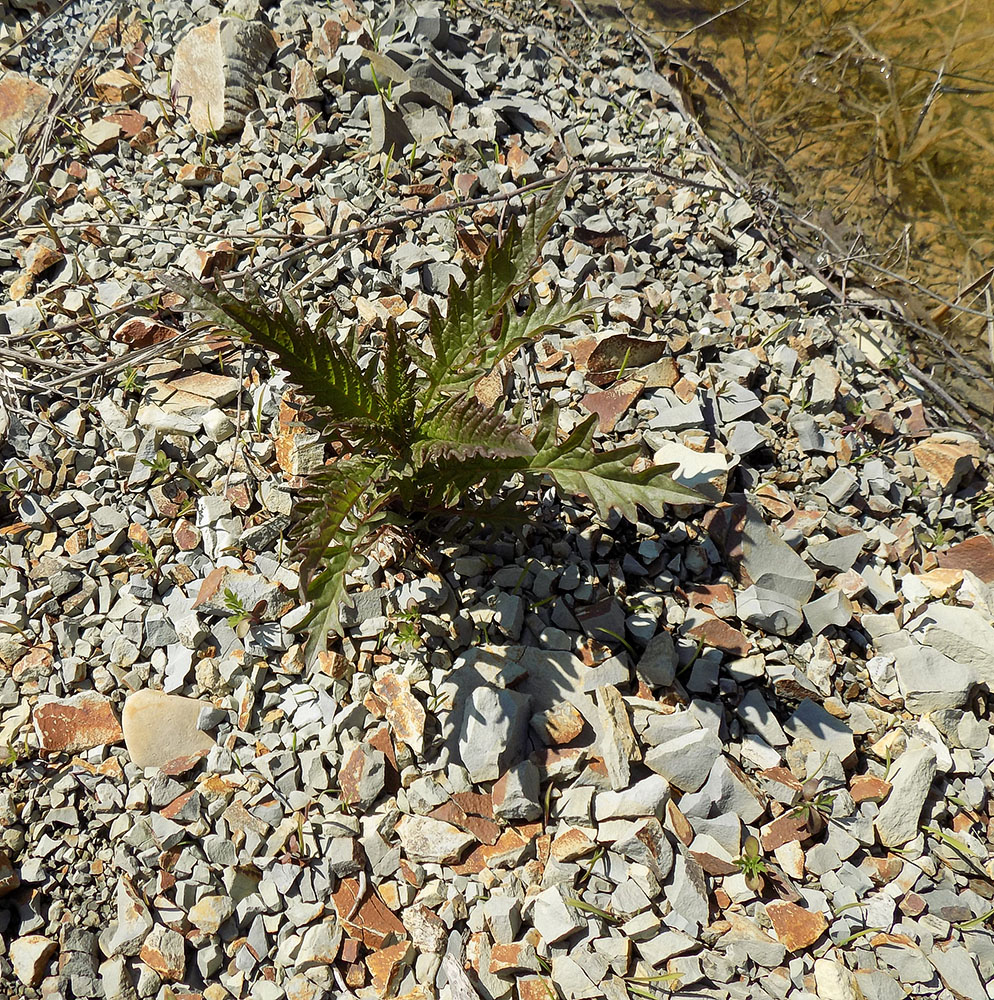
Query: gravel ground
x=740 y=752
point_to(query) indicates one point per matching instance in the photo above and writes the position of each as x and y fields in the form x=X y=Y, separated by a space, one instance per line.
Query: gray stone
x=515 y=796
x=831 y=609
x=553 y=917
x=725 y=791
x=962 y=634
x=134 y=921
x=569 y=977
x=116 y=980
x=770 y=564
x=492 y=736
x=678 y=417
x=930 y=681
x=768 y=610
x=685 y=761
x=736 y=402
x=645 y=842
x=617 y=743
x=813 y=729
x=388 y=131
x=897 y=822
x=809 y=437
x=663 y=728
x=958 y=971
x=839 y=487
x=757 y=717
x=687 y=893
x=657 y=665
x=837 y=553
x=662 y=947
x=744 y=438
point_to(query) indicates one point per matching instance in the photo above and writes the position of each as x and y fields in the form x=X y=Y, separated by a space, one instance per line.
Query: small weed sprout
x=752 y=865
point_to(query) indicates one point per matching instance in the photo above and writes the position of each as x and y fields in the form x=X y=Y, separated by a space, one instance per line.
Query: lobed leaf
x=606 y=478
x=332 y=498
x=464 y=430
x=327 y=594
x=475 y=315
x=322 y=368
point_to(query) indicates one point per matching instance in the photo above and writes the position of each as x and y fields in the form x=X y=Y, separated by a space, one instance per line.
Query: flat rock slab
x=930 y=681
x=820 y=731
x=432 y=841
x=159 y=728
x=22 y=101
x=962 y=634
x=72 y=725
x=215 y=71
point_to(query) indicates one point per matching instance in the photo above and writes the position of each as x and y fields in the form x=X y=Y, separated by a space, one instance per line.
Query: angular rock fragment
x=553 y=917
x=796 y=927
x=29 y=956
x=817 y=730
x=495 y=721
x=898 y=819
x=617 y=741
x=930 y=681
x=22 y=104
x=963 y=634
x=516 y=793
x=210 y=912
x=685 y=761
x=688 y=895
x=163 y=951
x=403 y=711
x=949 y=459
x=432 y=841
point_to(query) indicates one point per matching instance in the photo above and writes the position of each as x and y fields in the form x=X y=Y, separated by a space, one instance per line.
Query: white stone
x=833 y=981
x=29 y=955
x=553 y=917
x=209 y=912
x=706 y=472
x=159 y=728
x=432 y=841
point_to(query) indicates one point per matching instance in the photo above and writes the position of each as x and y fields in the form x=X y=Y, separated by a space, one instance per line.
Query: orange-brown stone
x=795 y=927
x=869 y=788
x=72 y=725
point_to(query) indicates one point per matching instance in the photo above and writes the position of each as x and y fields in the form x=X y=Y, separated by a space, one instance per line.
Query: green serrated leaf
x=605 y=478
x=322 y=368
x=327 y=594
x=331 y=499
x=518 y=330
x=475 y=315
x=465 y=430
x=397 y=380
